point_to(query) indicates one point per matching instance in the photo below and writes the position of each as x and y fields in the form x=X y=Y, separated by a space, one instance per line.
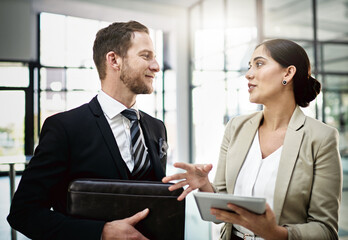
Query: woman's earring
x=284 y=82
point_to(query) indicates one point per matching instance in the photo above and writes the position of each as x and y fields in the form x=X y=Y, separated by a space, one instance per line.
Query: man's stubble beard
x=133 y=81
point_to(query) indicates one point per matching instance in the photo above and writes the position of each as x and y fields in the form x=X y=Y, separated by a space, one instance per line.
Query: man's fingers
x=137 y=217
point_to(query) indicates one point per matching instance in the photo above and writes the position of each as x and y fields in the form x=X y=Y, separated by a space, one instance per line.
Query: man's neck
x=127 y=99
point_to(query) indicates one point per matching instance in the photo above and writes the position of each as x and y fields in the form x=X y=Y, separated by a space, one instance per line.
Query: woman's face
x=264 y=77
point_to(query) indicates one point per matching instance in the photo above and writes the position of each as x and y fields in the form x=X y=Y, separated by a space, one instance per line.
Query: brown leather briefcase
x=105 y=199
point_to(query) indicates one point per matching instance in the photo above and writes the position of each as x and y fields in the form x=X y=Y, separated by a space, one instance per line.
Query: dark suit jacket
x=75 y=144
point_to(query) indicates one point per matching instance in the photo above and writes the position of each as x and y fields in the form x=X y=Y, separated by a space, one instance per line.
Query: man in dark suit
x=95 y=141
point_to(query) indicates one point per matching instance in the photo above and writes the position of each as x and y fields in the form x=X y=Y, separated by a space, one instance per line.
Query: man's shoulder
x=149 y=118
x=71 y=117
x=77 y=111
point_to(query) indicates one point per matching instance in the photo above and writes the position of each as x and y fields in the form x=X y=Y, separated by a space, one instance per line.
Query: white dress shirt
x=257 y=176
x=119 y=125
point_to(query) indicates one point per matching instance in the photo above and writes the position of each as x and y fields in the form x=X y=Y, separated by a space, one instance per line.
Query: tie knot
x=131 y=114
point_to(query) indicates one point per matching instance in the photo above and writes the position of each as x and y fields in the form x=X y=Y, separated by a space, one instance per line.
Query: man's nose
x=154 y=66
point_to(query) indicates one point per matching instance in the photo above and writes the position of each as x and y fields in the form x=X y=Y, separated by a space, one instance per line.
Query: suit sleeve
x=43 y=187
x=322 y=221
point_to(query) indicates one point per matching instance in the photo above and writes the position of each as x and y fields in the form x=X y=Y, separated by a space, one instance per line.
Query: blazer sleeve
x=43 y=187
x=323 y=209
x=220 y=176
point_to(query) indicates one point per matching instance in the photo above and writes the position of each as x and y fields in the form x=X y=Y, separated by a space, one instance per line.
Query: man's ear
x=289 y=73
x=113 y=60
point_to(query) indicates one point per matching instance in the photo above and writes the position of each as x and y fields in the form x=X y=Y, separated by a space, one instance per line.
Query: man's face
x=139 y=66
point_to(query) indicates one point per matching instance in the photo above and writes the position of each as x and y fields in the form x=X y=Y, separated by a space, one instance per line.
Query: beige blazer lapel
x=291 y=146
x=240 y=149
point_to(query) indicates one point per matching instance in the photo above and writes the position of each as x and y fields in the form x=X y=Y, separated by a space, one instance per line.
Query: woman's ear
x=113 y=60
x=289 y=73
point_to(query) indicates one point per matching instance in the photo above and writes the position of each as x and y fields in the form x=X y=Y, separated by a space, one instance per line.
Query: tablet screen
x=205 y=201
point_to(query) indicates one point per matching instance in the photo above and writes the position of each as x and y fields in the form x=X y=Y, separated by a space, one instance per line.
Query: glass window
x=240 y=14
x=63 y=89
x=52 y=39
x=335 y=82
x=69 y=42
x=170 y=93
x=288 y=19
x=80 y=34
x=53 y=79
x=209 y=36
x=171 y=120
x=82 y=79
x=332 y=109
x=209 y=46
x=212 y=17
x=12 y=105
x=14 y=75
x=336 y=115
x=240 y=45
x=334 y=57
x=209 y=108
x=332 y=20
x=343 y=126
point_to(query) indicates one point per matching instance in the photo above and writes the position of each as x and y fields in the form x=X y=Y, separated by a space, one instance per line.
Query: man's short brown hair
x=117 y=37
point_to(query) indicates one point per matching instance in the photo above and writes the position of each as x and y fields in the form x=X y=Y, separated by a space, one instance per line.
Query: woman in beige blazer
x=306 y=192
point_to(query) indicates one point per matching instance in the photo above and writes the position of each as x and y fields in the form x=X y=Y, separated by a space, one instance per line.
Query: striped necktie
x=139 y=153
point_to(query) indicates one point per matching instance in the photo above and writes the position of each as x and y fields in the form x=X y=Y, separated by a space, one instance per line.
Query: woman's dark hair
x=288 y=53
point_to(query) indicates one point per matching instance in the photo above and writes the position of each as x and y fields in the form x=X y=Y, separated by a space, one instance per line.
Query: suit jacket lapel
x=241 y=148
x=151 y=142
x=109 y=138
x=291 y=146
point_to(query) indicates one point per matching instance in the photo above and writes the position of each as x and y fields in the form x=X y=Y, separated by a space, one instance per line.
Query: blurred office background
x=203 y=48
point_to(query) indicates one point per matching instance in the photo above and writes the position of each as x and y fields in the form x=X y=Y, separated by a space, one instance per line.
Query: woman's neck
x=277 y=117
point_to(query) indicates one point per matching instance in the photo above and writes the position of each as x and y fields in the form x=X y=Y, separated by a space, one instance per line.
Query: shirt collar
x=111 y=107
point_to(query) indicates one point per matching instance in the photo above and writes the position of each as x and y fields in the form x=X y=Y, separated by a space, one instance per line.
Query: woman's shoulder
x=316 y=128
x=241 y=119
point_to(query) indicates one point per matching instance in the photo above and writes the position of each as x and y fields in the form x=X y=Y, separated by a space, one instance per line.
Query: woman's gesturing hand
x=196 y=176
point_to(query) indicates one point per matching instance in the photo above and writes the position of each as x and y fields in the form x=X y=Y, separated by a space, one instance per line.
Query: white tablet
x=205 y=201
